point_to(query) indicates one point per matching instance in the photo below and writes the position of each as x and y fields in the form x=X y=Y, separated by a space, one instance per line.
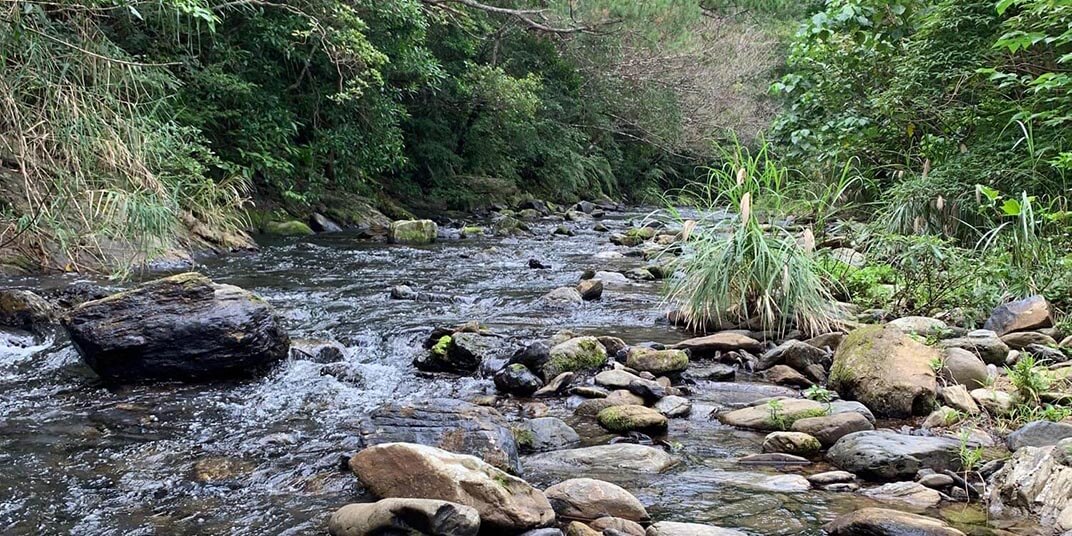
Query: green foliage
x=1029 y=379
x=746 y=266
x=818 y=394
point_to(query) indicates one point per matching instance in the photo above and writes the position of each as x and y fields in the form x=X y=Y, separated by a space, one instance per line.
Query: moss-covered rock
x=287 y=228
x=413 y=232
x=632 y=418
x=657 y=362
x=888 y=371
x=574 y=355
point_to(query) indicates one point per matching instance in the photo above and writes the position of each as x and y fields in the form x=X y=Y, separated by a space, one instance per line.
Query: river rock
x=943 y=417
x=784 y=375
x=1022 y=339
x=517 y=379
x=799 y=355
x=183 y=327
x=576 y=528
x=958 y=398
x=888 y=455
x=622 y=397
x=1036 y=482
x=887 y=371
x=796 y=443
x=449 y=424
x=673 y=406
x=578 y=354
x=993 y=401
x=633 y=418
x=602 y=459
x=983 y=343
x=650 y=390
x=556 y=386
x=413 y=232
x=671 y=528
x=657 y=362
x=615 y=379
x=1039 y=434
x=621 y=527
x=590 y=289
x=724 y=341
x=1029 y=313
x=544 y=434
x=287 y=228
x=464 y=352
x=323 y=224
x=919 y=325
x=587 y=499
x=505 y=503
x=317 y=351
x=963 y=367
x=760 y=417
x=831 y=477
x=423 y=516
x=884 y=522
x=22 y=309
x=910 y=494
x=563 y=295
x=533 y=356
x=828 y=429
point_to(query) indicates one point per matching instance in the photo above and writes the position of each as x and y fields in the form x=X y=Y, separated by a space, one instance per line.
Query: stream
x=80 y=458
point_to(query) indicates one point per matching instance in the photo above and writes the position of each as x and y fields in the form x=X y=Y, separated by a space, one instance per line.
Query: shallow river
x=79 y=458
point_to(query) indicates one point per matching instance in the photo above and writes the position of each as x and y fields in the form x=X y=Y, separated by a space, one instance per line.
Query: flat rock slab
x=888 y=455
x=670 y=528
x=911 y=494
x=602 y=459
x=1039 y=434
x=719 y=342
x=883 y=522
x=449 y=424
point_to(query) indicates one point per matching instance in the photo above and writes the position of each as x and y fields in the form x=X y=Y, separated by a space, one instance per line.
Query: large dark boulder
x=183 y=327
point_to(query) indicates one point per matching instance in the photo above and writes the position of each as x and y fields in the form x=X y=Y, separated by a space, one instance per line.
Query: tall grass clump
x=103 y=177
x=742 y=264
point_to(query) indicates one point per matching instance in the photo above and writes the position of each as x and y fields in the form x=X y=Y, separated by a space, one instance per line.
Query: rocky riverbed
x=539 y=346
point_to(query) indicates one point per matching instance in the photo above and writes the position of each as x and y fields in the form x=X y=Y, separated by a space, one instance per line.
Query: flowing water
x=77 y=457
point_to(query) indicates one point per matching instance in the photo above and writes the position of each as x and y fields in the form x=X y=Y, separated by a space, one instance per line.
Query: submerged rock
x=504 y=502
x=671 y=528
x=563 y=295
x=449 y=424
x=183 y=327
x=887 y=371
x=423 y=516
x=883 y=522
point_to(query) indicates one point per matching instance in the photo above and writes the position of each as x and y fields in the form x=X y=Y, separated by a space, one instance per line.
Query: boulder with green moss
x=657 y=362
x=887 y=370
x=183 y=327
x=413 y=232
x=287 y=228
x=574 y=355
